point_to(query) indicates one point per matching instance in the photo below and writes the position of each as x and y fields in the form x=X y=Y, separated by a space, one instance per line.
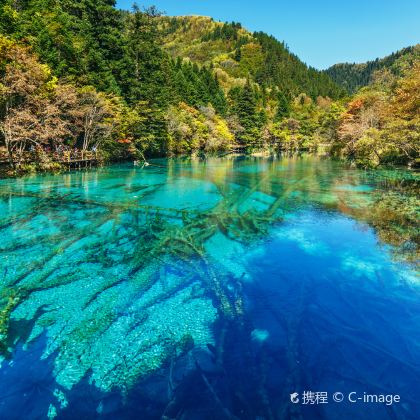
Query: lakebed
x=209 y=288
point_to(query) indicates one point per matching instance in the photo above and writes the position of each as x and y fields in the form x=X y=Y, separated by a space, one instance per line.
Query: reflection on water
x=209 y=289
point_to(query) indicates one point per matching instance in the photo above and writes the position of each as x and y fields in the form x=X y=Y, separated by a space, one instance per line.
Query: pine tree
x=283 y=107
x=245 y=107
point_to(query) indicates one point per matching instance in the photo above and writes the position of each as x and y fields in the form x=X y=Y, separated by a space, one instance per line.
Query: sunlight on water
x=208 y=286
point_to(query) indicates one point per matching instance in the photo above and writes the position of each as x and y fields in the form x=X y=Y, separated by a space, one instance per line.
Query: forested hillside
x=108 y=83
x=81 y=77
x=236 y=54
x=352 y=76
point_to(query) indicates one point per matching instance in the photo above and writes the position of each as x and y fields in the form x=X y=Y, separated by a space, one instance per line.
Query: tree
x=381 y=125
x=193 y=129
x=97 y=117
x=244 y=105
x=283 y=107
x=30 y=112
x=39 y=114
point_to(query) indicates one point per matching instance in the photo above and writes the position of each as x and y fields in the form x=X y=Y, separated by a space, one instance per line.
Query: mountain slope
x=236 y=54
x=354 y=76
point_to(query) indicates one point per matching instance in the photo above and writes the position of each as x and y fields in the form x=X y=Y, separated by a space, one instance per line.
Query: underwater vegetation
x=395 y=213
x=127 y=273
x=396 y=220
x=10 y=300
x=136 y=263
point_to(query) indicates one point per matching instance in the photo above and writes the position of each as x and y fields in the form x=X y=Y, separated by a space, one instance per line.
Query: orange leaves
x=189 y=109
x=355 y=106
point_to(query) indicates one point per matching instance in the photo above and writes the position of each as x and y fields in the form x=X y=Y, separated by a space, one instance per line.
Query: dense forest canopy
x=352 y=76
x=235 y=51
x=84 y=77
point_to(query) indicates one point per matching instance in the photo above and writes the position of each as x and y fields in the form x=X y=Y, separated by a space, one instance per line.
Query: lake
x=210 y=289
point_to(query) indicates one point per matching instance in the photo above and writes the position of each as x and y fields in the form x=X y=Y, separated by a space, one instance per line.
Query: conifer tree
x=283 y=107
x=245 y=107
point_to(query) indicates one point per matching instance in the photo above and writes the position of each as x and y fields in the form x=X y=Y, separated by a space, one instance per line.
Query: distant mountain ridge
x=353 y=76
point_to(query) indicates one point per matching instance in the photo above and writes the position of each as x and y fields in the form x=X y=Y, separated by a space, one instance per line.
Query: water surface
x=203 y=289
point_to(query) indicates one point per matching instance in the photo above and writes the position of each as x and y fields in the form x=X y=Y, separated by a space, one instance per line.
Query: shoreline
x=60 y=168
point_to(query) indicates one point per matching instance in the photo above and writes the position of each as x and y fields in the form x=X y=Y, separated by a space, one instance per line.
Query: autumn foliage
x=382 y=122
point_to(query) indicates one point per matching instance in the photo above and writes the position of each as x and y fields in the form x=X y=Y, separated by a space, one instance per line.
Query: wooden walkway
x=79 y=163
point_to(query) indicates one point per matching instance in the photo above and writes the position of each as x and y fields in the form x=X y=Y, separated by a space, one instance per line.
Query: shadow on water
x=203 y=289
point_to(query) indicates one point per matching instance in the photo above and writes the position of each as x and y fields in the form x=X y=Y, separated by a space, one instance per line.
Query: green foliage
x=307 y=124
x=191 y=130
x=9 y=299
x=197 y=86
x=153 y=80
x=242 y=54
x=381 y=125
x=394 y=215
x=285 y=70
x=283 y=107
x=228 y=31
x=9 y=17
x=244 y=104
x=354 y=76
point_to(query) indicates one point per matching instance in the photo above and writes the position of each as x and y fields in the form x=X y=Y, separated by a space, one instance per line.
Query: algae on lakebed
x=123 y=270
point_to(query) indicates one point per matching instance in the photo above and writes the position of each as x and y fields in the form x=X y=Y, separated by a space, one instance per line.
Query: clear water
x=206 y=289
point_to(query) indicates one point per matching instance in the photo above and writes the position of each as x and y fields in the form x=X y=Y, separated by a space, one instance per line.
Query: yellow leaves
x=52 y=84
x=406 y=100
x=380 y=125
x=78 y=44
x=302 y=100
x=222 y=129
x=5 y=45
x=192 y=129
x=220 y=58
x=281 y=133
x=227 y=81
x=3 y=91
x=323 y=102
x=367 y=110
x=9 y=13
x=22 y=73
x=188 y=109
x=252 y=57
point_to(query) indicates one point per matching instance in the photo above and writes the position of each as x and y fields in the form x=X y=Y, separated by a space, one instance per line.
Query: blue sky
x=320 y=32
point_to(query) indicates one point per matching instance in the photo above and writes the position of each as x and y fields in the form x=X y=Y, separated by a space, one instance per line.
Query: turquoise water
x=204 y=289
